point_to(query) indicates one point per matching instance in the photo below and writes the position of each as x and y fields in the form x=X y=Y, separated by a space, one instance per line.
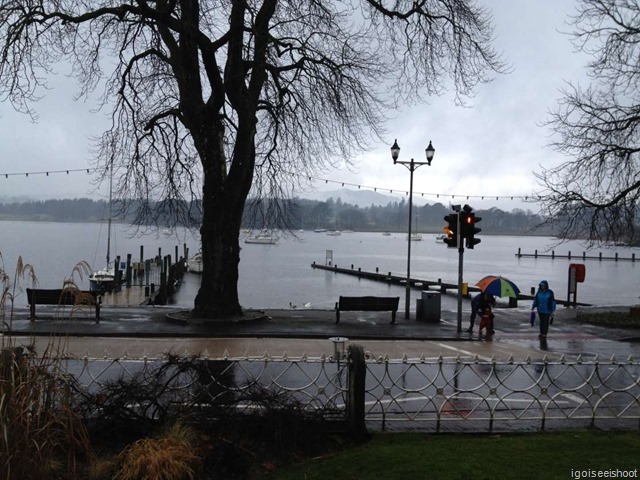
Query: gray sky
x=489 y=148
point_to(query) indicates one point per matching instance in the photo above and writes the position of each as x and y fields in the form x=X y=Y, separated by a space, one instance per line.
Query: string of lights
x=312 y=179
x=47 y=172
x=423 y=194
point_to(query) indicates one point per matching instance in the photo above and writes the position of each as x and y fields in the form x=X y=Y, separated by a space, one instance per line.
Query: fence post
x=357 y=372
x=128 y=271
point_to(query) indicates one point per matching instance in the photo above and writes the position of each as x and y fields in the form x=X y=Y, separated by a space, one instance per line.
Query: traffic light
x=469 y=229
x=465 y=224
x=451 y=230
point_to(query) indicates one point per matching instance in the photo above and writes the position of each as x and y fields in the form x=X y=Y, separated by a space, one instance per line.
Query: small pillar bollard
x=339 y=344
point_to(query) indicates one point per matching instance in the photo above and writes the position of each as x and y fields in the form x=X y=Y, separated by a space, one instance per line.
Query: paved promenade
x=154 y=330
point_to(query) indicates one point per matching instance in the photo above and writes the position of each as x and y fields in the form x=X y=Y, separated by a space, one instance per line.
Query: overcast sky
x=489 y=148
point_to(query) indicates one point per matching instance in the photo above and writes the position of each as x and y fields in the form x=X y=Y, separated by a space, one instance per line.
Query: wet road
x=145 y=331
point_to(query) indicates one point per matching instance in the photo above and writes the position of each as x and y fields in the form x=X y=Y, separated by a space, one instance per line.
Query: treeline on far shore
x=64 y=210
x=332 y=214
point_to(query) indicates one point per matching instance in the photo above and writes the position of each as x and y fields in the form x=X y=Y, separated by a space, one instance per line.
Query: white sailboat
x=264 y=238
x=194 y=264
x=415 y=236
x=104 y=280
x=440 y=238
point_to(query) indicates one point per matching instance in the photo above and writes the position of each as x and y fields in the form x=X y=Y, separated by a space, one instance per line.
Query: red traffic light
x=471 y=230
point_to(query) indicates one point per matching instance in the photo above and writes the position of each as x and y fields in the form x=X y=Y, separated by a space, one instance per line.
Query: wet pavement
x=132 y=333
x=151 y=329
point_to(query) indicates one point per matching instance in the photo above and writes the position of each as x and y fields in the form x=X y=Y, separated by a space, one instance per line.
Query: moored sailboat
x=104 y=279
x=194 y=264
x=264 y=238
x=440 y=238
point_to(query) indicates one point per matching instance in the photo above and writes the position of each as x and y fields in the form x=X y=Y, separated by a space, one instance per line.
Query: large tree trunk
x=220 y=230
x=223 y=200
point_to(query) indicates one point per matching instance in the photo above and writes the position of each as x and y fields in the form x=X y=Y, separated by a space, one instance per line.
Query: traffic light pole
x=461 y=230
x=460 y=272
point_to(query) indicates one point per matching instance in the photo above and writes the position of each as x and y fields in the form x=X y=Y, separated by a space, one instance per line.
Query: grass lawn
x=610 y=319
x=404 y=456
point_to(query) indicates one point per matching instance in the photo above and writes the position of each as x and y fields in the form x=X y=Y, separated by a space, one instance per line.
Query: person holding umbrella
x=479 y=305
x=490 y=286
x=545 y=302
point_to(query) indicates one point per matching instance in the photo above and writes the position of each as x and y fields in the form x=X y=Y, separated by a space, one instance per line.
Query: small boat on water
x=441 y=237
x=104 y=280
x=387 y=234
x=263 y=238
x=415 y=236
x=334 y=233
x=194 y=264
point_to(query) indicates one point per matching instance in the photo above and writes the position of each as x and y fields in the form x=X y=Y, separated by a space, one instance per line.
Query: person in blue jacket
x=545 y=302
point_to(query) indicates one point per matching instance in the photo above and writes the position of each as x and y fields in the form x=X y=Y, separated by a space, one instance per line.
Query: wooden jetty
x=150 y=281
x=128 y=297
x=395 y=279
x=553 y=255
x=422 y=284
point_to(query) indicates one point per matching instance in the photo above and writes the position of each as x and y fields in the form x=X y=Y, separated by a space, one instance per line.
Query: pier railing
x=423 y=394
x=581 y=256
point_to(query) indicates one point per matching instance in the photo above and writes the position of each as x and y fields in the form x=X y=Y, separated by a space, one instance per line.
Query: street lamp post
x=412 y=166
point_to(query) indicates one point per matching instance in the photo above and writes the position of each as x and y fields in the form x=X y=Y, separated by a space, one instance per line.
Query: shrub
x=42 y=437
x=170 y=457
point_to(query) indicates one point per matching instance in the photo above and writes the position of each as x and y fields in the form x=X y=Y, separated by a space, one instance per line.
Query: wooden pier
x=133 y=296
x=438 y=285
x=151 y=281
x=422 y=284
x=553 y=255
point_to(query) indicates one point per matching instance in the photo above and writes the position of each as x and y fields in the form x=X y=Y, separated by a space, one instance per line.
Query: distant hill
x=361 y=198
x=361 y=211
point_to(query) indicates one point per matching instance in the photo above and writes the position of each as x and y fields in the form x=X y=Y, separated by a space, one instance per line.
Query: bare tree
x=595 y=193
x=215 y=99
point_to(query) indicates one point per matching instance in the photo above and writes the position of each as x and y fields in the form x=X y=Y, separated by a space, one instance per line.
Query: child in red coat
x=486 y=321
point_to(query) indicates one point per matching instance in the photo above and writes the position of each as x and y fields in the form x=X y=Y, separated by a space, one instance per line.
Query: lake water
x=273 y=276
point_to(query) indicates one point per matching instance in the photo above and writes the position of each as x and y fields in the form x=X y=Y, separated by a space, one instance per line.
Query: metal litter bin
x=419 y=311
x=431 y=306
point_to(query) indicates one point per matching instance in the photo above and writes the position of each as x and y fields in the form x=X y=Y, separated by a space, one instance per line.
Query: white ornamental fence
x=437 y=394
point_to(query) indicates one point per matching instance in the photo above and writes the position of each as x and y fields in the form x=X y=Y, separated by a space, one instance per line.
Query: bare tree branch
x=214 y=100
x=594 y=194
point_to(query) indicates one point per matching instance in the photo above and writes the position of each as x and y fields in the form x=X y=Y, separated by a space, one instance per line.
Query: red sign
x=580 y=271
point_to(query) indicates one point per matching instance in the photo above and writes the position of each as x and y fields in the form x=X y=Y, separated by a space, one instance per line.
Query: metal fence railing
x=452 y=394
x=507 y=395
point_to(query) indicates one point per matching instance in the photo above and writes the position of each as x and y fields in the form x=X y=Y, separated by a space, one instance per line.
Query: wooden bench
x=38 y=296
x=368 y=304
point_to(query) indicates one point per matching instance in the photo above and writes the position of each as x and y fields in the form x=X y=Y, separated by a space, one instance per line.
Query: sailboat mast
x=110 y=214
